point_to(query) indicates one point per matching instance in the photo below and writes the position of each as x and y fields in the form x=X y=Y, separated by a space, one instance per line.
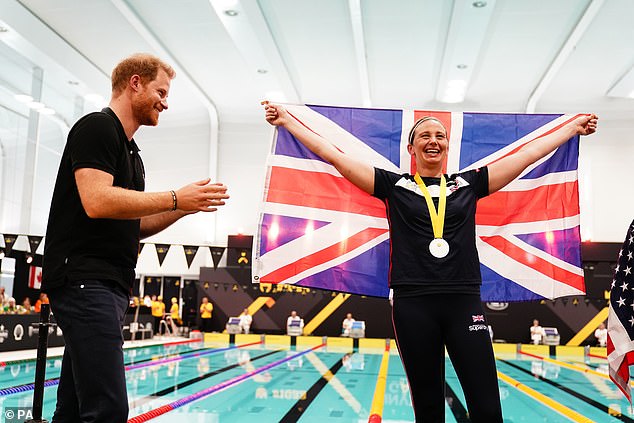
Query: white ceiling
x=542 y=56
x=397 y=53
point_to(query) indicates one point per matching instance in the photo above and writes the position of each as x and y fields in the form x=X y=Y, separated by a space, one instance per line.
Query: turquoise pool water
x=258 y=383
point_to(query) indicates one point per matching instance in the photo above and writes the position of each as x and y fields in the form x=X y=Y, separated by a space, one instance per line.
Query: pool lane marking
x=296 y=411
x=150 y=397
x=596 y=404
x=216 y=388
x=55 y=381
x=334 y=382
x=558 y=407
x=455 y=405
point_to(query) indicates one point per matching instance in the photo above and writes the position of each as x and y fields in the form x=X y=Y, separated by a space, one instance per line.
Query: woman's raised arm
x=358 y=173
x=510 y=167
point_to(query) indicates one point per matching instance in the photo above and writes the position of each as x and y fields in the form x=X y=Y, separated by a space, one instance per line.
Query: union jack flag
x=318 y=230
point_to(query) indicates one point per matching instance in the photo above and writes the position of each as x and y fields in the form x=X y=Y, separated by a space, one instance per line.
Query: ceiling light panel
x=399 y=48
x=247 y=28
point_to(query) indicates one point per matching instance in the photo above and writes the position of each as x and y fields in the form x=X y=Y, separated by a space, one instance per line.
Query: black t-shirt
x=412 y=267
x=78 y=247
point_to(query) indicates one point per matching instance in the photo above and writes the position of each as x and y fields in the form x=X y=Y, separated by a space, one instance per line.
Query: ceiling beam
x=33 y=39
x=356 y=21
x=624 y=86
x=566 y=49
x=148 y=36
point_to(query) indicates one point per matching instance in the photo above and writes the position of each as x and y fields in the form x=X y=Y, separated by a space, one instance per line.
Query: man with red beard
x=98 y=215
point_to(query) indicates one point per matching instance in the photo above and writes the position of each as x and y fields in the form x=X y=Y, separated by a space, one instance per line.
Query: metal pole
x=40 y=365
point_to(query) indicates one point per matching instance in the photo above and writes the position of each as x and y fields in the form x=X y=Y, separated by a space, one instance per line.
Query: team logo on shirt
x=477 y=318
x=452 y=186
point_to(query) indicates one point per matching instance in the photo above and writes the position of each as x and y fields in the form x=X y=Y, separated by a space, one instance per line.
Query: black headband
x=410 y=138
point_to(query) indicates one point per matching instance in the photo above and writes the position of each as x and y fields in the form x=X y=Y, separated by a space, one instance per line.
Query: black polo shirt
x=76 y=246
x=412 y=267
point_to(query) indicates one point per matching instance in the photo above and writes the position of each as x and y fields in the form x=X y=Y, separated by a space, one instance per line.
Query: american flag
x=318 y=230
x=621 y=317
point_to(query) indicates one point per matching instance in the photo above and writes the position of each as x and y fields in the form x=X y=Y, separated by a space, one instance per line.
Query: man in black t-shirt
x=98 y=215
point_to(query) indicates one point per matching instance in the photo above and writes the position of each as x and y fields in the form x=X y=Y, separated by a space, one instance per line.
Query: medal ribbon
x=437 y=218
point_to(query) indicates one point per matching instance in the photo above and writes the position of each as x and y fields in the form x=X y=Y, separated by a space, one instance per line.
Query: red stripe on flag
x=322 y=191
x=536 y=263
x=542 y=203
x=621 y=375
x=322 y=256
x=621 y=378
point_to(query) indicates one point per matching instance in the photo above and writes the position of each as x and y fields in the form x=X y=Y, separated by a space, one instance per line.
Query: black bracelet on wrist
x=174 y=202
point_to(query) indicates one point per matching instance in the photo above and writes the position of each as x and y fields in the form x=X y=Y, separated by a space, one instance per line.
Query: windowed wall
x=37 y=107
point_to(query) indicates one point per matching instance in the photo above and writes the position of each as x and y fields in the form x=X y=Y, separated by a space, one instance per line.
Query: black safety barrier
x=40 y=365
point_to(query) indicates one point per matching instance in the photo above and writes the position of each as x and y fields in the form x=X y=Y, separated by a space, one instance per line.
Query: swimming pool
x=313 y=381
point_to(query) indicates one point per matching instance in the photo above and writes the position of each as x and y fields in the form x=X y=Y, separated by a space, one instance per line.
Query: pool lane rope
x=376 y=411
x=213 y=389
x=543 y=399
x=133 y=347
x=568 y=366
x=179 y=357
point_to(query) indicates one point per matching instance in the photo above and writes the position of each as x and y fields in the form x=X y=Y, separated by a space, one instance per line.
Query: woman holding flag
x=435 y=271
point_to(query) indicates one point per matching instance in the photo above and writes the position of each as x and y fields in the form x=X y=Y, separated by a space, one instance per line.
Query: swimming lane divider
x=376 y=410
x=539 y=397
x=187 y=355
x=213 y=389
x=566 y=365
x=180 y=385
x=571 y=392
x=161 y=356
x=55 y=381
x=52 y=357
